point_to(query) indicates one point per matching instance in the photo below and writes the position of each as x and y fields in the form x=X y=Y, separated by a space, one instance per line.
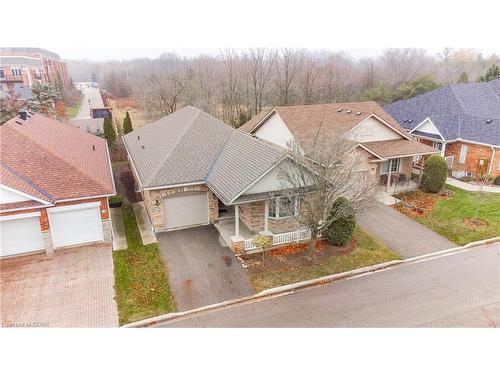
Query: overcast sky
x=124 y=29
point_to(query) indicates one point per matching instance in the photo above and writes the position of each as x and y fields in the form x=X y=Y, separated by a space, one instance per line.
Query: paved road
x=459 y=290
x=402 y=234
x=201 y=271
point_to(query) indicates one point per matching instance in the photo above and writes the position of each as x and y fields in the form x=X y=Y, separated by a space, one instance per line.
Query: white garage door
x=20 y=236
x=186 y=210
x=75 y=225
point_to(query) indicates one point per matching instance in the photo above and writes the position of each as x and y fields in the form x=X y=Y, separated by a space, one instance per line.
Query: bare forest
x=235 y=85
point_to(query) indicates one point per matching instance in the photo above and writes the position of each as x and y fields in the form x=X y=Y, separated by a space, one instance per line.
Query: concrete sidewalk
x=145 y=226
x=469 y=187
x=119 y=238
x=402 y=234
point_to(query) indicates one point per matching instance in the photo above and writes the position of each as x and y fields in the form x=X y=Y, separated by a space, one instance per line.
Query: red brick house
x=55 y=181
x=462 y=120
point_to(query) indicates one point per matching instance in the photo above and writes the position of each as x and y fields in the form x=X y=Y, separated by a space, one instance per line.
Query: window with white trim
x=463 y=154
x=394 y=166
x=283 y=207
x=16 y=72
x=437 y=145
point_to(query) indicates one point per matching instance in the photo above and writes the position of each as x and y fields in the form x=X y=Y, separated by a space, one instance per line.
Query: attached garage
x=186 y=210
x=20 y=234
x=76 y=224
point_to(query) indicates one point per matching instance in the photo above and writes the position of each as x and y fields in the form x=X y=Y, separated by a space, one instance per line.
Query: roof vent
x=339 y=110
x=143 y=147
x=488 y=121
x=93 y=147
x=23 y=114
x=138 y=138
x=410 y=121
x=405 y=120
x=358 y=113
x=348 y=111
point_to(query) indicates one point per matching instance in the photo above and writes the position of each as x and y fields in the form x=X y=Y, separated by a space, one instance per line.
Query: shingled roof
x=190 y=146
x=51 y=160
x=470 y=111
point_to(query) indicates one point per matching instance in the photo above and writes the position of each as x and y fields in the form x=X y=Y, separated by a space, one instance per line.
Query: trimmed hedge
x=435 y=173
x=496 y=181
x=340 y=231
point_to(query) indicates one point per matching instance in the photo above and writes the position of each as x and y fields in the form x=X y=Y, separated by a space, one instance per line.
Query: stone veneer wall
x=157 y=213
x=252 y=215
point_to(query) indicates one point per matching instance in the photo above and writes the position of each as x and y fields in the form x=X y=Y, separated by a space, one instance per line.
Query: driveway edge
x=290 y=288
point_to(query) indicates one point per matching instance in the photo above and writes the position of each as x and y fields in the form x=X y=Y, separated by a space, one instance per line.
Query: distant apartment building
x=21 y=67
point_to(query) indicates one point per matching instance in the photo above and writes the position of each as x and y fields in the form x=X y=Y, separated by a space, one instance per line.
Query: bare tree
x=162 y=95
x=311 y=73
x=288 y=65
x=229 y=94
x=260 y=61
x=403 y=64
x=326 y=169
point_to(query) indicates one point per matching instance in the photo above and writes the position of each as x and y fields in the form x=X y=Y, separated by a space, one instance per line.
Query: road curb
x=290 y=288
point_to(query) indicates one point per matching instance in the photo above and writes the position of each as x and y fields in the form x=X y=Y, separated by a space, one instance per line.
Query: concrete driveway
x=400 y=233
x=202 y=272
x=74 y=288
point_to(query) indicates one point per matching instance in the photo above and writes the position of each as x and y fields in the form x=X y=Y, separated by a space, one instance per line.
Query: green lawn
x=72 y=111
x=369 y=251
x=447 y=217
x=141 y=279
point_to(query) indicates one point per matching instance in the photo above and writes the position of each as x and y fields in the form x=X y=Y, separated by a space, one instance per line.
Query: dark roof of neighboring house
x=91 y=125
x=190 y=146
x=306 y=122
x=51 y=160
x=470 y=111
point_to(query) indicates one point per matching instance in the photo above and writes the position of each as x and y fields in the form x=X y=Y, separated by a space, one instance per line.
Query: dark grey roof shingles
x=191 y=146
x=458 y=111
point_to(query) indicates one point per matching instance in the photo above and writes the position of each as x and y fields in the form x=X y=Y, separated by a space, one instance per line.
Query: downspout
x=492 y=160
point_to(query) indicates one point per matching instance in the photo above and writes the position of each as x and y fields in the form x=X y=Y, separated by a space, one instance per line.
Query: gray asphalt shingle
x=190 y=146
x=458 y=111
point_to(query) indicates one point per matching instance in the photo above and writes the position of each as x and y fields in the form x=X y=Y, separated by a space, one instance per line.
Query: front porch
x=238 y=225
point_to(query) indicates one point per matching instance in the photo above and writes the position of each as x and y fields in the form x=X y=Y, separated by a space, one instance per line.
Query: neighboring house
x=387 y=150
x=192 y=170
x=461 y=120
x=90 y=125
x=20 y=67
x=55 y=183
x=94 y=104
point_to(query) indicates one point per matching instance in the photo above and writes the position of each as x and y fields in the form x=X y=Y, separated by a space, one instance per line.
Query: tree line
x=235 y=85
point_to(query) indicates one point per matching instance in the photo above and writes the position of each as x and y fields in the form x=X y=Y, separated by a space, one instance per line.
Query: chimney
x=23 y=114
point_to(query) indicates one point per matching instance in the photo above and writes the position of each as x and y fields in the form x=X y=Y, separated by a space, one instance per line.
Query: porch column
x=389 y=175
x=420 y=169
x=237 y=220
x=266 y=217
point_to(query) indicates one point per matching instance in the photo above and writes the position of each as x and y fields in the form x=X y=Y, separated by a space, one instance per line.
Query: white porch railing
x=297 y=235
x=249 y=245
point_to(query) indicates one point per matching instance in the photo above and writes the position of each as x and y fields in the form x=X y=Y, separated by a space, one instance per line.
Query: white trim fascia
x=12 y=190
x=408 y=155
x=73 y=207
x=419 y=125
x=430 y=138
x=26 y=208
x=472 y=142
x=370 y=151
x=82 y=198
x=258 y=179
x=383 y=122
x=175 y=185
x=272 y=111
x=20 y=216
